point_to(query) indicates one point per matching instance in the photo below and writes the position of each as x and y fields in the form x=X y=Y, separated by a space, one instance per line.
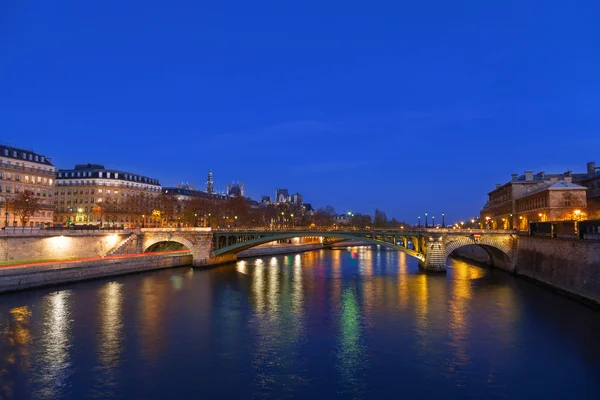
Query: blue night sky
x=407 y=106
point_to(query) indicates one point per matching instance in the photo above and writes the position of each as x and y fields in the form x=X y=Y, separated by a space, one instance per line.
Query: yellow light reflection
x=55 y=364
x=110 y=337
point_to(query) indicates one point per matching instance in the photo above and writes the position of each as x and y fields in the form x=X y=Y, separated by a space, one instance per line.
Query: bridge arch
x=490 y=250
x=149 y=242
x=253 y=241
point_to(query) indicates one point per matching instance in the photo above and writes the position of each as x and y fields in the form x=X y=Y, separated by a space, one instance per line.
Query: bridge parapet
x=431 y=246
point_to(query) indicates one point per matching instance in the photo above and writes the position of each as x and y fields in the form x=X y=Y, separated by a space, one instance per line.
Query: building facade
x=534 y=198
x=90 y=194
x=591 y=180
x=24 y=171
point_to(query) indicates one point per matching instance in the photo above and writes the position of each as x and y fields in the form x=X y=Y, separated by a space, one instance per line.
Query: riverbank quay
x=568 y=266
x=36 y=274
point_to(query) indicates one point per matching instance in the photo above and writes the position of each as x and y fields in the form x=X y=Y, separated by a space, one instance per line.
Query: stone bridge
x=430 y=246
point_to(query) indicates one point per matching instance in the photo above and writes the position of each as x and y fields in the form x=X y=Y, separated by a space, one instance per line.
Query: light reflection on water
x=349 y=323
x=51 y=377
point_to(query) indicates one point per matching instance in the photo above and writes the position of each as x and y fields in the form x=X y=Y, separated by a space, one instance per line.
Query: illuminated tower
x=210 y=187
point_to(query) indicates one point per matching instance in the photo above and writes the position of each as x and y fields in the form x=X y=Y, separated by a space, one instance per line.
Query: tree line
x=168 y=210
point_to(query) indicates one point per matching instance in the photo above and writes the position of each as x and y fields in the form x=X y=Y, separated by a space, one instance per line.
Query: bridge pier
x=435 y=255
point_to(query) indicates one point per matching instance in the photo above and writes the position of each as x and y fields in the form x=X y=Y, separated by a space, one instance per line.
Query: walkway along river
x=335 y=324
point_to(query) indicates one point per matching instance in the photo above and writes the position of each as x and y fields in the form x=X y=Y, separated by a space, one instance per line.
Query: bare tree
x=25 y=205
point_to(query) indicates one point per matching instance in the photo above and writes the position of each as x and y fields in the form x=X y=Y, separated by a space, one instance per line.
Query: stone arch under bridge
x=501 y=249
x=151 y=241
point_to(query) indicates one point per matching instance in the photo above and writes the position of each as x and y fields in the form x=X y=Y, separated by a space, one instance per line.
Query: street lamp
x=426 y=223
x=433 y=221
x=419 y=223
x=443 y=221
x=143 y=220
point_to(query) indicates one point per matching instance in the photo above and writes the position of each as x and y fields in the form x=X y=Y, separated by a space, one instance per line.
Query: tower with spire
x=210 y=187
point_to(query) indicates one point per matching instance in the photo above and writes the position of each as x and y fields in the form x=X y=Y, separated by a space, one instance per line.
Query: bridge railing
x=354 y=230
x=54 y=231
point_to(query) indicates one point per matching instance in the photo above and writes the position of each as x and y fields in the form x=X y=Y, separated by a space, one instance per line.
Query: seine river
x=330 y=324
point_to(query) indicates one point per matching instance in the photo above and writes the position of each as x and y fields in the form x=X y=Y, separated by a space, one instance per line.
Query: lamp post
x=443 y=222
x=433 y=221
x=235 y=221
x=195 y=220
x=6 y=213
x=143 y=220
x=419 y=221
x=426 y=221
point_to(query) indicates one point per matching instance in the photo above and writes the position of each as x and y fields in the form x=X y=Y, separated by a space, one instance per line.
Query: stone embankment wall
x=568 y=265
x=27 y=247
x=50 y=274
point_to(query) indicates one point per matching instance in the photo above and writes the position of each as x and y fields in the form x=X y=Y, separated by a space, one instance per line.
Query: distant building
x=591 y=180
x=235 y=190
x=342 y=219
x=90 y=194
x=532 y=198
x=210 y=185
x=23 y=170
x=188 y=192
x=283 y=196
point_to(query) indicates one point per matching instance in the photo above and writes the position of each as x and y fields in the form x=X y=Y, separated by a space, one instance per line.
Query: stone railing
x=37 y=231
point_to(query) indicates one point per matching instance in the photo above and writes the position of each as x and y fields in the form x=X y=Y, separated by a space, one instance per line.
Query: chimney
x=242 y=189
x=542 y=174
x=228 y=188
x=528 y=175
x=514 y=177
x=591 y=168
x=498 y=185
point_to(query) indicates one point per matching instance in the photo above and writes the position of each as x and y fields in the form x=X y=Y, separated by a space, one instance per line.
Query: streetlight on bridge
x=443 y=221
x=426 y=221
x=419 y=223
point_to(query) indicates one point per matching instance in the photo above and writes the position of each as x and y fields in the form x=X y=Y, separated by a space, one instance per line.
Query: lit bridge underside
x=227 y=242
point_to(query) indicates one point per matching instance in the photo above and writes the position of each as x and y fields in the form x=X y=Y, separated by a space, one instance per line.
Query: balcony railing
x=39 y=170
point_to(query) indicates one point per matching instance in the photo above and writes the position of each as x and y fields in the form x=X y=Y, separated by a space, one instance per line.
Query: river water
x=332 y=324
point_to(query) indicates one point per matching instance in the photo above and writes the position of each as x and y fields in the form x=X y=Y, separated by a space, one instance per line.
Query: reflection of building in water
x=278 y=298
x=402 y=280
x=153 y=298
x=14 y=352
x=110 y=338
x=50 y=378
x=459 y=325
x=351 y=359
x=422 y=309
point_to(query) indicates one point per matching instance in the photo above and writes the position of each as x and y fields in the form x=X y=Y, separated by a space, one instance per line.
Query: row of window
x=68 y=192
x=26 y=178
x=140 y=186
x=23 y=155
x=19 y=189
x=108 y=175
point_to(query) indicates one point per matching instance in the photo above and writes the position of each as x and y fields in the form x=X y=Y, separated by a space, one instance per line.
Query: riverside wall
x=57 y=273
x=570 y=266
x=28 y=247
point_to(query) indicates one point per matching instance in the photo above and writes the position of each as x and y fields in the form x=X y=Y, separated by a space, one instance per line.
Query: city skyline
x=402 y=108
